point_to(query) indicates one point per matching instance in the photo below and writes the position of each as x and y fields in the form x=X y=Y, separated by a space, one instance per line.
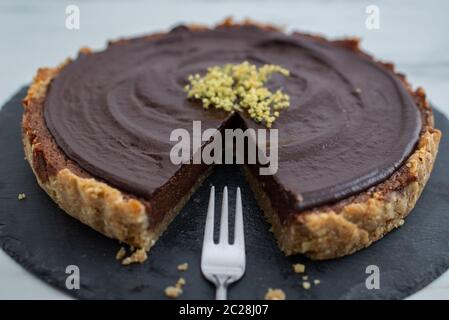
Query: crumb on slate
x=21 y=196
x=183 y=266
x=181 y=281
x=173 y=292
x=299 y=268
x=306 y=285
x=176 y=290
x=275 y=294
x=305 y=277
x=316 y=281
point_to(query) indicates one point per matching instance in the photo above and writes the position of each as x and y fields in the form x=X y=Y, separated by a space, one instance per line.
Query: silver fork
x=223 y=263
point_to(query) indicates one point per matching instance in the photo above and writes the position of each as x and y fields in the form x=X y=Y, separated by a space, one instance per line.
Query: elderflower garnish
x=239 y=87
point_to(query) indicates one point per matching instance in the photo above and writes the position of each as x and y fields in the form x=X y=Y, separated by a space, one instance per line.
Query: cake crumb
x=21 y=196
x=401 y=222
x=306 y=285
x=275 y=294
x=173 y=292
x=121 y=253
x=176 y=290
x=358 y=90
x=183 y=266
x=299 y=268
x=316 y=282
x=181 y=281
x=305 y=277
x=138 y=256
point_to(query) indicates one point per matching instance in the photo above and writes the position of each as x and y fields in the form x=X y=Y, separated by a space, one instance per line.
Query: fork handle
x=221 y=293
x=222 y=287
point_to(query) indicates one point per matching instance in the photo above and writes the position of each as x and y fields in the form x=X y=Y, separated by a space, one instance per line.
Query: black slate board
x=44 y=240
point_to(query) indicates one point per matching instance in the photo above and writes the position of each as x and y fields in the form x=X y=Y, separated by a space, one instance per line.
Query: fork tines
x=223 y=263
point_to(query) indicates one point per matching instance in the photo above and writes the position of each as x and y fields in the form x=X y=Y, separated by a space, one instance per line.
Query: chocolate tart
x=356 y=146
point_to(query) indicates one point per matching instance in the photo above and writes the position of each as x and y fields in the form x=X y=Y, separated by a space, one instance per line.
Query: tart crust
x=323 y=232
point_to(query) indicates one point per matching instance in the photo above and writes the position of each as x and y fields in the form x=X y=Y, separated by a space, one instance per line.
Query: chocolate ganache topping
x=350 y=124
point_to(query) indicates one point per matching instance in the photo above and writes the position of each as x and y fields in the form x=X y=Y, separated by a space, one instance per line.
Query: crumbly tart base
x=321 y=233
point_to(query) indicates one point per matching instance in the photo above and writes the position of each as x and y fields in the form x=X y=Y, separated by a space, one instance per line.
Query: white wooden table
x=413 y=34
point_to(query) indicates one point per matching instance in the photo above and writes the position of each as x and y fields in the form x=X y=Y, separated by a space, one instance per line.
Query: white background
x=413 y=34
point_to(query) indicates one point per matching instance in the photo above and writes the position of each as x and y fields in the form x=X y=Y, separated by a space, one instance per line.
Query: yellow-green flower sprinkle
x=239 y=87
